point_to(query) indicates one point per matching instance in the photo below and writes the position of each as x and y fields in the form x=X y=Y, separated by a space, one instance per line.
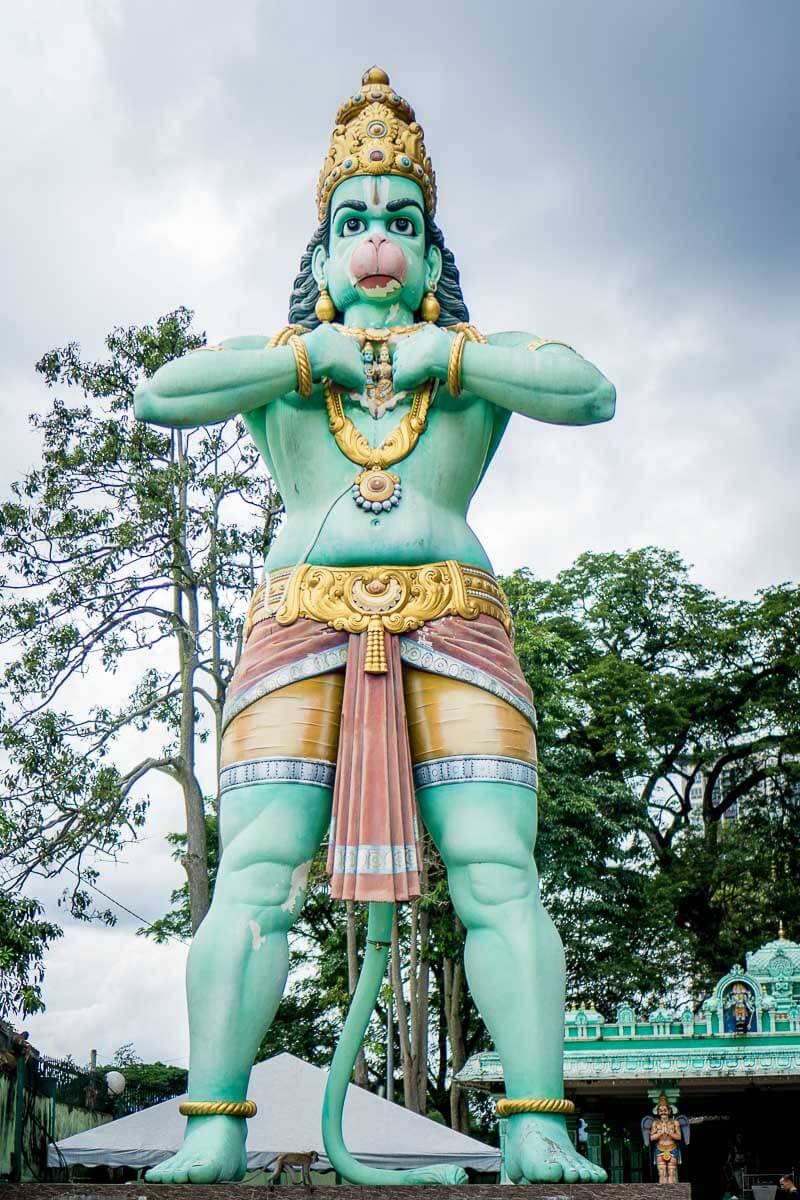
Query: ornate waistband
x=372 y=600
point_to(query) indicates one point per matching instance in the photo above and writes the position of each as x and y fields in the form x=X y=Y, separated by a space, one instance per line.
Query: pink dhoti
x=452 y=706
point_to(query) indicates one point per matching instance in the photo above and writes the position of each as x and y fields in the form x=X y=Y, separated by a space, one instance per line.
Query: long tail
x=379 y=934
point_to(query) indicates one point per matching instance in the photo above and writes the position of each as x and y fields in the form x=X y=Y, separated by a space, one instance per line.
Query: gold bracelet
x=510 y=1108
x=537 y=345
x=454 y=363
x=218 y=1108
x=305 y=382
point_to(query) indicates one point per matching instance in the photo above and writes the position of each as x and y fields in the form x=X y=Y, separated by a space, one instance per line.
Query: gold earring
x=430 y=307
x=324 y=308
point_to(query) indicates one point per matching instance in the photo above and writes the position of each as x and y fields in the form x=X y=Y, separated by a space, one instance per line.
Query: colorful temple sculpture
x=730 y=1065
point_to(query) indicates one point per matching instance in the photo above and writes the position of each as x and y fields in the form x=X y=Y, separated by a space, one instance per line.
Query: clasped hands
x=415 y=357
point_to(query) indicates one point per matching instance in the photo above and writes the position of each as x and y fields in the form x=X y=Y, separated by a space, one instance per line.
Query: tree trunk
x=188 y=632
x=403 y=1029
x=454 y=989
x=412 y=1017
x=360 y=1075
x=195 y=860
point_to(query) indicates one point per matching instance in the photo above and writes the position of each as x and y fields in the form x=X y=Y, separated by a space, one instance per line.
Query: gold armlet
x=282 y=336
x=537 y=345
x=510 y=1108
x=454 y=363
x=305 y=383
x=473 y=334
x=218 y=1108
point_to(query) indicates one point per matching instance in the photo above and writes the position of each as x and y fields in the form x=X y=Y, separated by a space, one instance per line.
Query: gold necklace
x=375 y=489
x=380 y=334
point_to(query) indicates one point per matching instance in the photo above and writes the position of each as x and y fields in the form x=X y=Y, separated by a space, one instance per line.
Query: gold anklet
x=218 y=1108
x=510 y=1108
x=454 y=363
x=305 y=382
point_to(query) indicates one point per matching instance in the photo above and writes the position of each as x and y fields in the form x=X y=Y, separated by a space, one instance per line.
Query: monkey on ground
x=294 y=1162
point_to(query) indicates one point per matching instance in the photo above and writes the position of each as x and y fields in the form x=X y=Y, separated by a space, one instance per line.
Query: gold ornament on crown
x=376 y=134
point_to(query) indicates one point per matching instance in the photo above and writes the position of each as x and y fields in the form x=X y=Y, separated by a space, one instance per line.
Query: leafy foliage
x=665 y=711
x=128 y=553
x=152 y=1077
x=176 y=924
x=24 y=937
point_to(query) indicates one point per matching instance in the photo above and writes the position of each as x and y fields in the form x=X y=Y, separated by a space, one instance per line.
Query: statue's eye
x=352 y=226
x=402 y=225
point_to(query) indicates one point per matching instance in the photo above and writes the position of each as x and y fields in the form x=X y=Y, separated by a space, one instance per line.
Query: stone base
x=243 y=1191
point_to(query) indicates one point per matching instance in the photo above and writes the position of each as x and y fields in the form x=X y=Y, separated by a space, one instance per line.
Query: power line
x=147 y=924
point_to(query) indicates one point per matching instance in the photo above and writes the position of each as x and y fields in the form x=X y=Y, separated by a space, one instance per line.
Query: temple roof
x=747 y=1029
x=761 y=962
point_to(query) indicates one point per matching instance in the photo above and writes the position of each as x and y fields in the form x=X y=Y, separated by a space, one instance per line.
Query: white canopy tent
x=288 y=1092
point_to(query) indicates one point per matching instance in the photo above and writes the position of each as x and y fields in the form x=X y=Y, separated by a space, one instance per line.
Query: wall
x=41 y=1116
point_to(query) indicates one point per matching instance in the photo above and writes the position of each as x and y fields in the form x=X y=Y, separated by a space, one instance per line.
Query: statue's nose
x=377 y=238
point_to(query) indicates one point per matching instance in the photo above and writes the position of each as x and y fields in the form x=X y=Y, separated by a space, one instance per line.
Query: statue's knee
x=500 y=883
x=275 y=890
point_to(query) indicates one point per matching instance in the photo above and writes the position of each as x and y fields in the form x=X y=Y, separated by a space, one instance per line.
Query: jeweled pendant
x=377 y=491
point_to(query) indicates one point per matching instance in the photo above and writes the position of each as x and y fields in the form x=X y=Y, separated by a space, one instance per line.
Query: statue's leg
x=514 y=960
x=239 y=960
x=239 y=957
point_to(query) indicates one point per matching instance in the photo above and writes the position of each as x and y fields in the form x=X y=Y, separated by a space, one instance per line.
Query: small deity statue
x=378 y=690
x=739 y=1008
x=664 y=1132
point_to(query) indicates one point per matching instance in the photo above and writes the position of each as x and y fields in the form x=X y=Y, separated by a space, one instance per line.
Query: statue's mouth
x=379 y=285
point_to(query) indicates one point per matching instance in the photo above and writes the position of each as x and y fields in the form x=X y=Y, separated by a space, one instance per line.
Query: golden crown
x=376 y=134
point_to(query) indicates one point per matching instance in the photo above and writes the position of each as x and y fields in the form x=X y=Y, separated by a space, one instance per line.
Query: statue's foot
x=212 y=1151
x=539 y=1150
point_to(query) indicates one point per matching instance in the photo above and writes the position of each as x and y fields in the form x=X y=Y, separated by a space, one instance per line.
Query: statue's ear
x=319 y=266
x=433 y=265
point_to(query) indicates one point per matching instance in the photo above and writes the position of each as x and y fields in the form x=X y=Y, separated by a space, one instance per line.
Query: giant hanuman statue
x=378 y=683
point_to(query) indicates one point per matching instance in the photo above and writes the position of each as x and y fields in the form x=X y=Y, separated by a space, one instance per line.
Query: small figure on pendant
x=379 y=395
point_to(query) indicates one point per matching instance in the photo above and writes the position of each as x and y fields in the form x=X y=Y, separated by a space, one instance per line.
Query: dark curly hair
x=305 y=292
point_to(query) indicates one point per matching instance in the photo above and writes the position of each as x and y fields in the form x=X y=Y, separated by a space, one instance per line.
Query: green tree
x=154 y=1077
x=129 y=553
x=24 y=936
x=665 y=709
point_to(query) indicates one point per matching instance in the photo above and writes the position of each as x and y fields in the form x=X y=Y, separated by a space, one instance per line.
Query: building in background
x=731 y=1065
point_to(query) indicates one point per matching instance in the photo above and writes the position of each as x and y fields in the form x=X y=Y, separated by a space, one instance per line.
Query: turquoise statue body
x=378 y=318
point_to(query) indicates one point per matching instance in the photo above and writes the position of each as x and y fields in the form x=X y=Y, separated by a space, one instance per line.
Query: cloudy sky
x=621 y=175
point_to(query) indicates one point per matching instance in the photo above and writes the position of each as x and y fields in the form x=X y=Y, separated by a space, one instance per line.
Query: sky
x=622 y=176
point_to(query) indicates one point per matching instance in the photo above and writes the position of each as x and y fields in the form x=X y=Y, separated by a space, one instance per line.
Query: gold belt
x=374 y=599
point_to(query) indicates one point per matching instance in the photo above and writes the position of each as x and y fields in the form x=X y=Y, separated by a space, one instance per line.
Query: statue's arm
x=552 y=383
x=209 y=385
x=547 y=382
x=214 y=383
x=240 y=375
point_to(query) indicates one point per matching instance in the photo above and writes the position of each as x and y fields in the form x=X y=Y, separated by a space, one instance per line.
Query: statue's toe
x=548 y=1172
x=159 y=1174
x=167 y=1172
x=204 y=1171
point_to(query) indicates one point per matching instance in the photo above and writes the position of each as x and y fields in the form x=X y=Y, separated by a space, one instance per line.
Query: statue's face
x=663 y=1111
x=377 y=245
